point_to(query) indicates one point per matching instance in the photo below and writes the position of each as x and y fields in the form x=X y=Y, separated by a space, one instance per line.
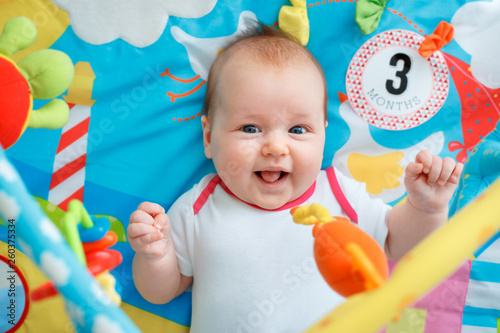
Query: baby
x=232 y=236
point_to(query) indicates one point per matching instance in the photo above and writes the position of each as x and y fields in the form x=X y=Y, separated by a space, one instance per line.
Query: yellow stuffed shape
x=378 y=172
x=294 y=20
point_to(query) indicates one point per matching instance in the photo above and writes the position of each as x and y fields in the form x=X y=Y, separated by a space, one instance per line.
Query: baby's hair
x=262 y=44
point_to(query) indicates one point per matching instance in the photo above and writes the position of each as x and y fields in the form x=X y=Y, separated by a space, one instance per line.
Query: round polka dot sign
x=391 y=86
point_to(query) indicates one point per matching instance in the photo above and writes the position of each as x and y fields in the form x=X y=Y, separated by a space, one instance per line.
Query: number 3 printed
x=389 y=84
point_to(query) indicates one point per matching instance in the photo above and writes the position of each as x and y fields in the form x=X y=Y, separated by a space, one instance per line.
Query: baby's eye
x=250 y=129
x=297 y=130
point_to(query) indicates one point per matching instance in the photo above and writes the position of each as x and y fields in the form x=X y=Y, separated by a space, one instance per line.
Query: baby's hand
x=431 y=181
x=149 y=230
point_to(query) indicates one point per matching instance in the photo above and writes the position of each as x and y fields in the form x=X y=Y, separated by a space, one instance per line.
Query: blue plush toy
x=481 y=169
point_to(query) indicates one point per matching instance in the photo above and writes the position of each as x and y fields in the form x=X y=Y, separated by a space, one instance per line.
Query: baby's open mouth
x=271 y=176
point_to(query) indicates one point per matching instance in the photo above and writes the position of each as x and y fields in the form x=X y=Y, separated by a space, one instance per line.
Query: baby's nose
x=275 y=145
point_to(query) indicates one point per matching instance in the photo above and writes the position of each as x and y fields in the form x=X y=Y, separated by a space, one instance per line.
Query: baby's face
x=268 y=132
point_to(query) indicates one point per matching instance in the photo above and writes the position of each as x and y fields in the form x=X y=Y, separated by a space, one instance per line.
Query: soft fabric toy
x=368 y=14
x=43 y=74
x=349 y=259
x=293 y=19
x=481 y=169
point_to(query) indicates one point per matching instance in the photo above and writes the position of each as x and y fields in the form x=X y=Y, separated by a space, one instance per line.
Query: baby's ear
x=205 y=125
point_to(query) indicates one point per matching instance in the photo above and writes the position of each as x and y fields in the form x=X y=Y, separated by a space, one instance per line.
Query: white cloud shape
x=477 y=28
x=75 y=312
x=103 y=324
x=7 y=171
x=50 y=231
x=55 y=268
x=139 y=23
x=100 y=294
x=24 y=247
x=9 y=208
x=203 y=51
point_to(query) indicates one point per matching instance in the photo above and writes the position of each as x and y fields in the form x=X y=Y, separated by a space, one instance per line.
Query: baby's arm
x=155 y=270
x=430 y=182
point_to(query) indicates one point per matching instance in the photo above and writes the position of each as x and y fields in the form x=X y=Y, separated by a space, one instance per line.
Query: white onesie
x=254 y=269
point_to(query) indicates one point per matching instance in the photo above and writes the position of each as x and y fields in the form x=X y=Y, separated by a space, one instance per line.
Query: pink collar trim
x=289 y=205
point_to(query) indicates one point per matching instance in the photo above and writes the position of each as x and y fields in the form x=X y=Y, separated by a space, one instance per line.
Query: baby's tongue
x=270 y=176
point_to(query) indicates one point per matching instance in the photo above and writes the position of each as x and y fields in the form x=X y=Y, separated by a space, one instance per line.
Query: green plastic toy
x=44 y=74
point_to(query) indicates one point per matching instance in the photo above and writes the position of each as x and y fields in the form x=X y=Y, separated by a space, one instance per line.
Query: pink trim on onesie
x=198 y=204
x=332 y=179
x=300 y=200
x=339 y=195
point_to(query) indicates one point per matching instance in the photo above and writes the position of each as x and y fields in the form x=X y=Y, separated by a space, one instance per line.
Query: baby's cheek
x=231 y=167
x=230 y=170
x=248 y=148
x=308 y=168
x=309 y=158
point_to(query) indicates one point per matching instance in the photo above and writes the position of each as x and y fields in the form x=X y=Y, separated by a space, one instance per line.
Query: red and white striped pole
x=68 y=175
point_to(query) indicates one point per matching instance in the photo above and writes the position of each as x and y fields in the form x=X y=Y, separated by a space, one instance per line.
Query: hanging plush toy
x=481 y=169
x=43 y=74
x=349 y=259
